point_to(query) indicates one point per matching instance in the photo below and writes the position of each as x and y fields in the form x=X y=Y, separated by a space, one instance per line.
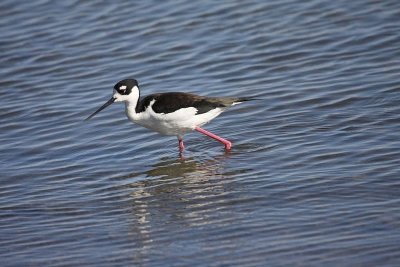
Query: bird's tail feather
x=243 y=99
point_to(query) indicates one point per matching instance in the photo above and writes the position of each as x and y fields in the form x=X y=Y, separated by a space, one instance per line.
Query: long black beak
x=109 y=102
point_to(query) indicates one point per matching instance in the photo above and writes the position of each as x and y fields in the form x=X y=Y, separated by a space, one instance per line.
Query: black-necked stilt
x=173 y=113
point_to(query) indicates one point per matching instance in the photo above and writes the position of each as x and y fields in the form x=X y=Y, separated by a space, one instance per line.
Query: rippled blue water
x=313 y=178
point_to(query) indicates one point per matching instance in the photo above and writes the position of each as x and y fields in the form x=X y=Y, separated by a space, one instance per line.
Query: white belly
x=175 y=123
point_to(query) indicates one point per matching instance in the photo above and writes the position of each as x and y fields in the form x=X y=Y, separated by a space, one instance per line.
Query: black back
x=170 y=102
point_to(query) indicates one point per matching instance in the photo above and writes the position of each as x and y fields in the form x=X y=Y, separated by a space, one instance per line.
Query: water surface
x=313 y=176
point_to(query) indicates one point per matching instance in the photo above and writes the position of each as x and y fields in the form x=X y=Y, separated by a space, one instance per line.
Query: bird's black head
x=124 y=87
x=126 y=90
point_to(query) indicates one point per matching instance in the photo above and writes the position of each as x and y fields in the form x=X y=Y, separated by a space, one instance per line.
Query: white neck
x=131 y=106
x=131 y=103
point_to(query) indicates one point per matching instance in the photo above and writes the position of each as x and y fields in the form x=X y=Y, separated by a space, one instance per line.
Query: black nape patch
x=124 y=87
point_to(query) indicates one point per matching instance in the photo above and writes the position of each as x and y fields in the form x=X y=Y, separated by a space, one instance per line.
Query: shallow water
x=313 y=176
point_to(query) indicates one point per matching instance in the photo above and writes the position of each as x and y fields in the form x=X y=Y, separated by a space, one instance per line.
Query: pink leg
x=227 y=144
x=181 y=145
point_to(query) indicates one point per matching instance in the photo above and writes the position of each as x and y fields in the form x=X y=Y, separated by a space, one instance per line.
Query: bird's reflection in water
x=179 y=194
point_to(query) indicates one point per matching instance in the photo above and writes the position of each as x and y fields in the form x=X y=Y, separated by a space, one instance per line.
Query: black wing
x=170 y=102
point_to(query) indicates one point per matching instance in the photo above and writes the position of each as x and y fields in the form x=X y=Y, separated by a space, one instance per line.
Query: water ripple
x=312 y=177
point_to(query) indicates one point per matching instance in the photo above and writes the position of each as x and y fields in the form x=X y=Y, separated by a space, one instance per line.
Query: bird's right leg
x=227 y=143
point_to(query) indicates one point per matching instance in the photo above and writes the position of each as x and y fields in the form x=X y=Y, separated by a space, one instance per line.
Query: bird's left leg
x=181 y=145
x=227 y=143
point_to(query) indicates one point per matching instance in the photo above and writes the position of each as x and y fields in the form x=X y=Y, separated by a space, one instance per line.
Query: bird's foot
x=228 y=145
